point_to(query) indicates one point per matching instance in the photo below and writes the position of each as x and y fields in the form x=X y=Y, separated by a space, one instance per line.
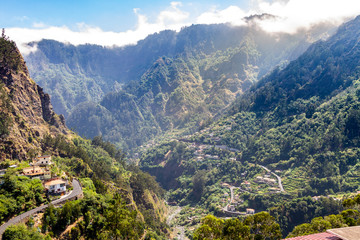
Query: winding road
x=278 y=178
x=74 y=193
x=225 y=209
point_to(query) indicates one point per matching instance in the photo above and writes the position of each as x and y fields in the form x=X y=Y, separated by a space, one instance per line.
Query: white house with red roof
x=56 y=186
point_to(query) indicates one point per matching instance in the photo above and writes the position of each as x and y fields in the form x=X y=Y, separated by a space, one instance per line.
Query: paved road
x=225 y=209
x=278 y=178
x=75 y=192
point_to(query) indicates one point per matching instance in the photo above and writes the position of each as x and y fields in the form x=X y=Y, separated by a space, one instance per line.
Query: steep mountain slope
x=26 y=112
x=301 y=122
x=179 y=79
x=29 y=127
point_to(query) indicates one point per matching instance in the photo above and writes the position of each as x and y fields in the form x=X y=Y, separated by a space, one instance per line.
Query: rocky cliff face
x=26 y=108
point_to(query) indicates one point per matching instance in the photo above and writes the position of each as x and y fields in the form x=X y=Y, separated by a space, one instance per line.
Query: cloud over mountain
x=290 y=15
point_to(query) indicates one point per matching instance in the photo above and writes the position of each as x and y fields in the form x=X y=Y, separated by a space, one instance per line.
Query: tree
x=301 y=230
x=49 y=219
x=263 y=226
x=121 y=222
x=210 y=229
x=199 y=180
x=21 y=232
x=234 y=229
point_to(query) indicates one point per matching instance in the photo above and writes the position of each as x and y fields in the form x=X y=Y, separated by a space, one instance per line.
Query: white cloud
x=295 y=14
x=291 y=15
x=171 y=18
x=232 y=14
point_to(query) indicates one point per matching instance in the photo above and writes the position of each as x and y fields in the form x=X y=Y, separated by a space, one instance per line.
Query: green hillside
x=301 y=122
x=168 y=80
x=119 y=199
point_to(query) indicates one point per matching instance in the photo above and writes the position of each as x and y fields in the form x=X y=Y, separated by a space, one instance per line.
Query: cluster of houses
x=199 y=152
x=317 y=198
x=248 y=211
x=265 y=179
x=40 y=169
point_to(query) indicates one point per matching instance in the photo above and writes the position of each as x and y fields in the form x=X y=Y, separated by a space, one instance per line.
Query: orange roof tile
x=317 y=236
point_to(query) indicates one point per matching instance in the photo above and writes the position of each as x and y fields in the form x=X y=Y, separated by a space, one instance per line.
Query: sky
x=119 y=22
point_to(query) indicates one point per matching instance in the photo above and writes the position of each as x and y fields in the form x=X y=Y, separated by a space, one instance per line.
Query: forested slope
x=118 y=199
x=204 y=69
x=301 y=122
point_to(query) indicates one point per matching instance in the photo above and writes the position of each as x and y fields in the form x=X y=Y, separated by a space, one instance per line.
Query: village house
x=231 y=208
x=316 y=198
x=246 y=184
x=56 y=186
x=250 y=211
x=269 y=180
x=43 y=161
x=198 y=152
x=199 y=158
x=274 y=190
x=36 y=172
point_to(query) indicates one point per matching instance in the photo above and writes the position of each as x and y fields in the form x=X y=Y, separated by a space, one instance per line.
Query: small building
x=231 y=208
x=2 y=172
x=36 y=172
x=33 y=171
x=43 y=161
x=316 y=198
x=269 y=180
x=246 y=183
x=56 y=186
x=259 y=179
x=199 y=159
x=274 y=189
x=250 y=211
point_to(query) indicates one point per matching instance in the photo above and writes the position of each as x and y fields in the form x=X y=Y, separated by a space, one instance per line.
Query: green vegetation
x=300 y=122
x=114 y=190
x=9 y=60
x=167 y=81
x=346 y=218
x=259 y=226
x=21 y=232
x=6 y=108
x=97 y=216
x=263 y=226
x=9 y=54
x=18 y=194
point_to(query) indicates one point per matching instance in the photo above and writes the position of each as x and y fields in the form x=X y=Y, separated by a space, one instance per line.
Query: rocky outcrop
x=29 y=109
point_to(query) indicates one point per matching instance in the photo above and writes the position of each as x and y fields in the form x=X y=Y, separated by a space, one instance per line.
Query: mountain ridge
x=204 y=67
